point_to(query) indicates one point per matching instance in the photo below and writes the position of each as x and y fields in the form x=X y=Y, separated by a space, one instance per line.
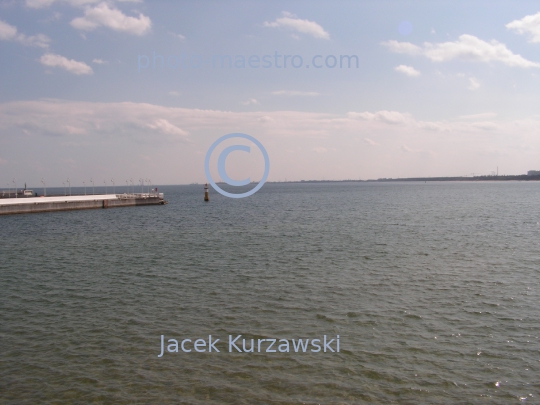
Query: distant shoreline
x=520 y=177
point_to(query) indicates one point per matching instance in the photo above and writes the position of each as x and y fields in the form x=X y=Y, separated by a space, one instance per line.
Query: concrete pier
x=78 y=202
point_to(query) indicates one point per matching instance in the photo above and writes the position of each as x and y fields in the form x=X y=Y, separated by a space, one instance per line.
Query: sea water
x=432 y=288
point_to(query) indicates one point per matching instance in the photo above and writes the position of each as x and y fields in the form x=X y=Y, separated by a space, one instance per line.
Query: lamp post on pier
x=44 y=188
x=84 y=182
x=93 y=190
x=105 y=182
x=69 y=184
x=114 y=186
x=14 y=182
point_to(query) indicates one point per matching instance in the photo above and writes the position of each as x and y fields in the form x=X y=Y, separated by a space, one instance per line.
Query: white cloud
x=408 y=70
x=433 y=126
x=402 y=47
x=405 y=148
x=165 y=127
x=320 y=149
x=371 y=142
x=265 y=119
x=250 y=101
x=3 y=162
x=402 y=120
x=99 y=61
x=296 y=24
x=473 y=84
x=174 y=93
x=144 y=123
x=60 y=117
x=179 y=36
x=389 y=117
x=72 y=66
x=39 y=40
x=103 y=15
x=467 y=47
x=9 y=33
x=485 y=125
x=481 y=116
x=49 y=128
x=292 y=93
x=527 y=25
x=71 y=130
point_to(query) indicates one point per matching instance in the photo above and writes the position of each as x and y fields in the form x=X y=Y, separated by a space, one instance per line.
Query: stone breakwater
x=83 y=202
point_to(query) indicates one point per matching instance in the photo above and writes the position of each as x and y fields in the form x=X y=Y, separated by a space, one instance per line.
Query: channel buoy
x=206 y=197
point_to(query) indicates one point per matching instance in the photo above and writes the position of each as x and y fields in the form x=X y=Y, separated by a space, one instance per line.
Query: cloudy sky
x=333 y=90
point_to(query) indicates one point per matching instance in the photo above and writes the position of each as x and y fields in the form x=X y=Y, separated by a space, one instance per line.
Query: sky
x=119 y=90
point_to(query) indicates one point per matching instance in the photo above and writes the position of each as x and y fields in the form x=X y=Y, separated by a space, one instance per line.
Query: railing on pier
x=152 y=194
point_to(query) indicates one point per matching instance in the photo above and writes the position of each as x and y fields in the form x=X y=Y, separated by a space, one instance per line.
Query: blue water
x=433 y=289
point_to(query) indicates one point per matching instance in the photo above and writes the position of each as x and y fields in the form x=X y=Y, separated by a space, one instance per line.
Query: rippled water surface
x=433 y=289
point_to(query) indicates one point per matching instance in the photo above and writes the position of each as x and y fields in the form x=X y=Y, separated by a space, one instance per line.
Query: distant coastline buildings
x=533 y=173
